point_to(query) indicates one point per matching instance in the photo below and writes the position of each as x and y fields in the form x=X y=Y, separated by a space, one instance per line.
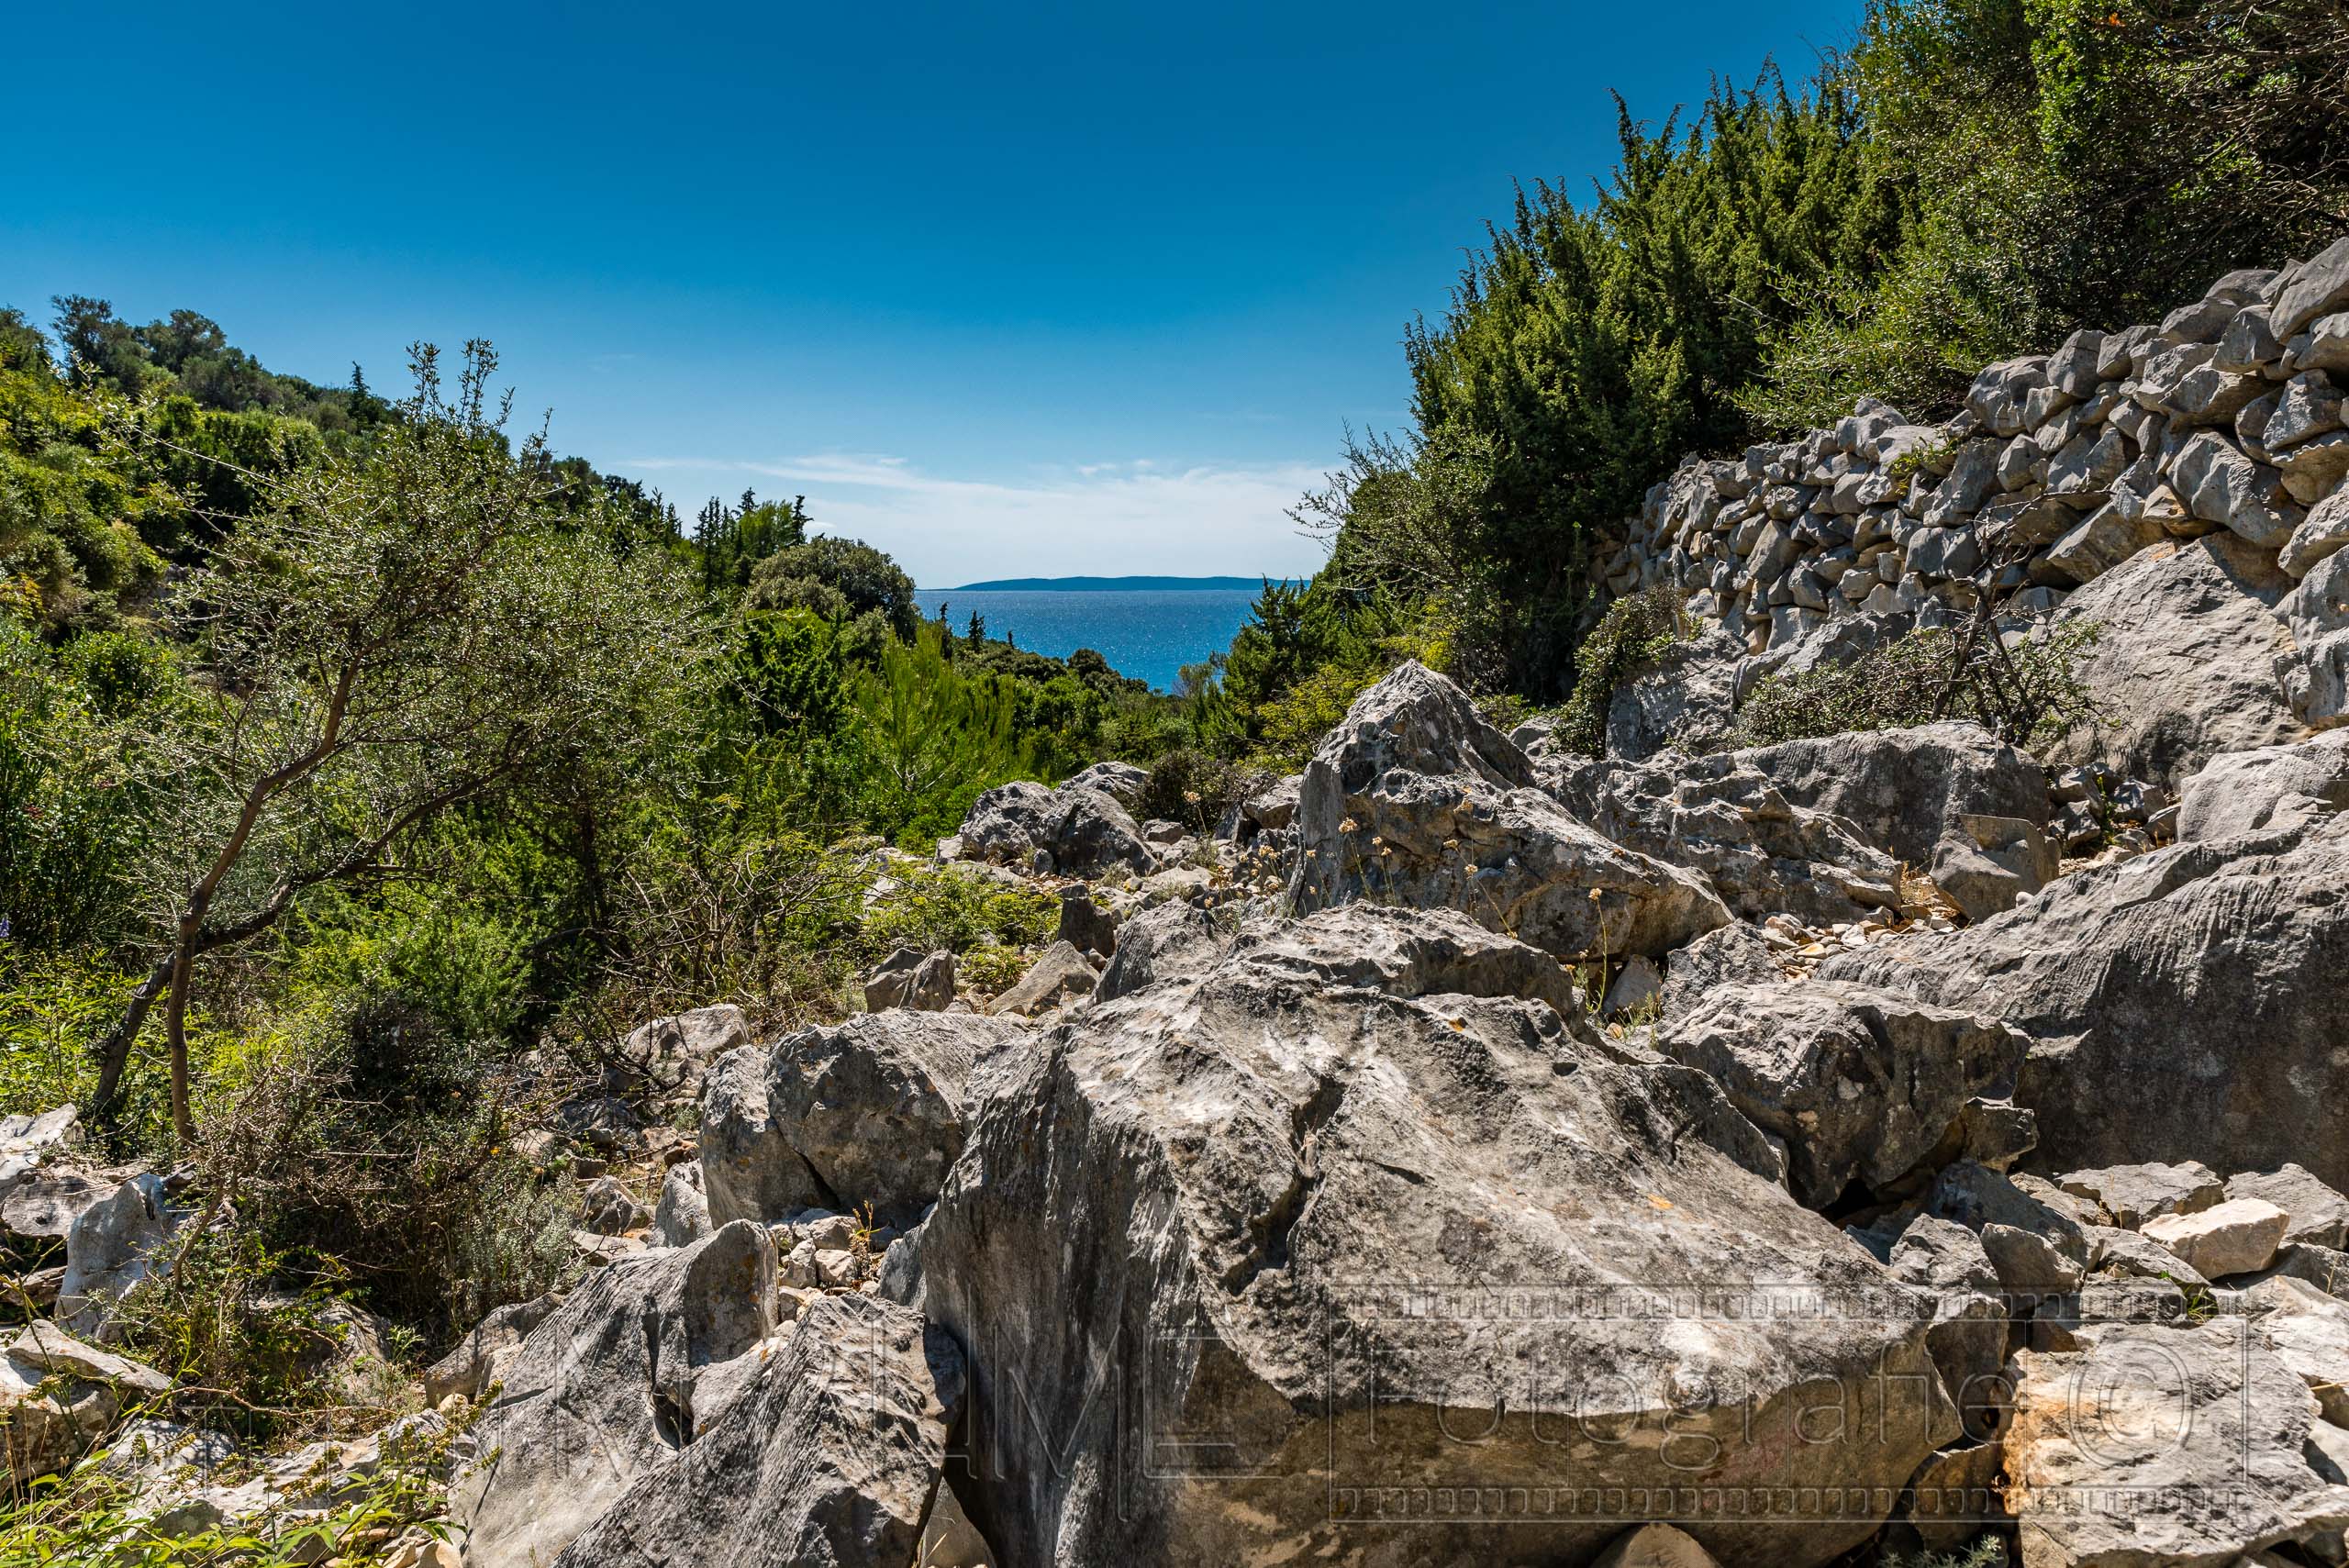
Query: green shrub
x=1188 y=786
x=2026 y=690
x=90 y=1517
x=1630 y=638
x=936 y=907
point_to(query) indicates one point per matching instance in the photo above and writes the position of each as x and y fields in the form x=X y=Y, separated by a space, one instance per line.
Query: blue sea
x=1148 y=633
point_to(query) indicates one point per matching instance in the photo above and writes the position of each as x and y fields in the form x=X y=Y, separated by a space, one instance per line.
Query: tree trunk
x=175 y=1030
x=113 y=1050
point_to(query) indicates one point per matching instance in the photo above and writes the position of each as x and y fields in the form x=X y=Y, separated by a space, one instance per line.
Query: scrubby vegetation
x=367 y=769
x=2025 y=688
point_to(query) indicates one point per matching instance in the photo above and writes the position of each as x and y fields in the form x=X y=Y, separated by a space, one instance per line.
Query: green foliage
x=1591 y=345
x=93 y=1516
x=2026 y=690
x=1304 y=656
x=933 y=906
x=843 y=573
x=1196 y=788
x=1630 y=638
x=935 y=737
x=52 y=1005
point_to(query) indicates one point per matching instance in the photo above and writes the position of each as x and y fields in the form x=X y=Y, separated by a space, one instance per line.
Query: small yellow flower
x=1349 y=825
x=1192 y=796
x=1470 y=869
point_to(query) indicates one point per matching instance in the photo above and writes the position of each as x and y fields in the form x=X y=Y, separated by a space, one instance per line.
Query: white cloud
x=1104 y=518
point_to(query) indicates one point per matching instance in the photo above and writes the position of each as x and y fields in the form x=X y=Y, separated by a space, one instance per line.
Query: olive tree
x=401 y=630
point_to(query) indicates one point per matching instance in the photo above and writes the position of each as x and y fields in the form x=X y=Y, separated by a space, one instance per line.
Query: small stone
x=2237 y=1236
x=2132 y=1194
x=2316 y=1215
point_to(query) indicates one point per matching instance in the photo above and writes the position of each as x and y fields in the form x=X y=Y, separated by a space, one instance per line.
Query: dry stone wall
x=2225 y=417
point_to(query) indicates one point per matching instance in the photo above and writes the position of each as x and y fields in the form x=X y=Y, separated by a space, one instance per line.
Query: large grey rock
x=2314 y=670
x=489 y=1346
x=1947 y=1264
x=1762 y=854
x=923 y=982
x=2131 y=1195
x=44 y=1201
x=828 y=1458
x=1415 y=800
x=2115 y=1453
x=2183 y=667
x=674 y=1053
x=1903 y=790
x=2315 y=287
x=1985 y=863
x=2183 y=1002
x=869 y=1111
x=1231 y=1255
x=1861 y=1084
x=625 y=1373
x=2237 y=1236
x=1084 y=925
x=1736 y=953
x=2307 y=1330
x=1688 y=702
x=1408 y=952
x=112 y=1247
x=1158 y=944
x=59 y=1395
x=1060 y=973
x=1084 y=831
x=2244 y=792
x=1121 y=782
x=681 y=1216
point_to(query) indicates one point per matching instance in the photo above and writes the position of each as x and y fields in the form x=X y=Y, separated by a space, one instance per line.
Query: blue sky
x=1007 y=290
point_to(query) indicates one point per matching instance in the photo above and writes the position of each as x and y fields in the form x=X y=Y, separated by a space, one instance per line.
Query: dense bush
x=2025 y=689
x=1629 y=639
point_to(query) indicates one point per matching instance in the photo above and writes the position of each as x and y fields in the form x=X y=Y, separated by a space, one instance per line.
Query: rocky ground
x=1468 y=1153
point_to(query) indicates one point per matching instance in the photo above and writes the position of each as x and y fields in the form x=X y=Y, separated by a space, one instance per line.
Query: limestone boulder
x=1251 y=1242
x=830 y=1456
x=59 y=1396
x=479 y=1359
x=1762 y=854
x=630 y=1369
x=2182 y=667
x=114 y=1245
x=911 y=978
x=1060 y=973
x=1862 y=1086
x=1082 y=831
x=672 y=1054
x=681 y=1216
x=1902 y=791
x=2114 y=1448
x=2237 y=1236
x=2131 y=1195
x=2182 y=1002
x=2243 y=791
x=1414 y=800
x=1121 y=782
x=2313 y=1212
x=869 y=1111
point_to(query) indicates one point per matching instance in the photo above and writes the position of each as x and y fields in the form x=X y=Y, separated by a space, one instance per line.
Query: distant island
x=1095 y=584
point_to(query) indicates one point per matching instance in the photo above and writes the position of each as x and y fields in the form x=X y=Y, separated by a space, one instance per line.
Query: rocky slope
x=1468 y=1153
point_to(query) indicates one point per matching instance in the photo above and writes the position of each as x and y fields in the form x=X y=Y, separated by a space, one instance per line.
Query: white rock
x=2237 y=1236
